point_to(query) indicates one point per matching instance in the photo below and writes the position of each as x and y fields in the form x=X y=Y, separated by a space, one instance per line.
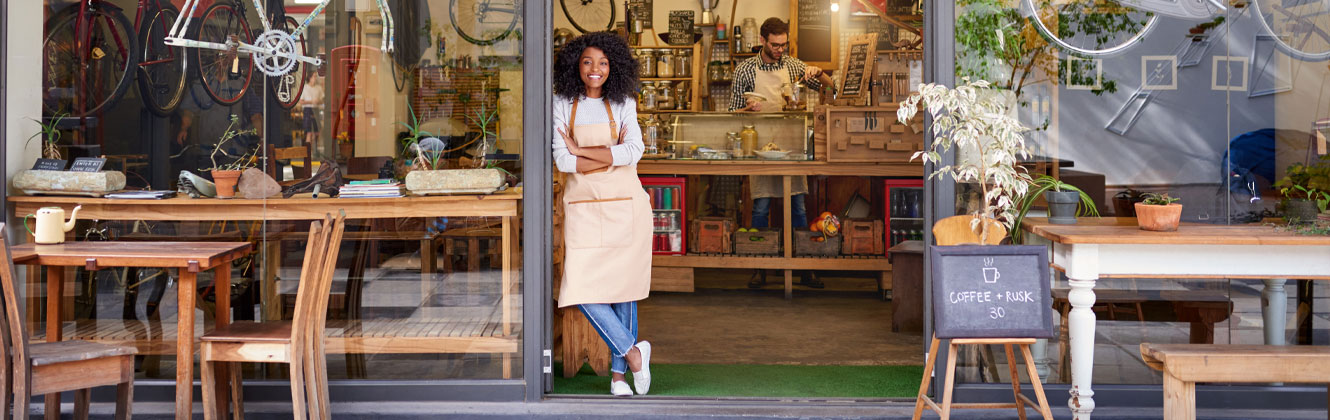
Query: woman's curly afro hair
x=622 y=83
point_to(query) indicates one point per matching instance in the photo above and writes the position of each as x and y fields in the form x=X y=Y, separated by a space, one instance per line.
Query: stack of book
x=379 y=188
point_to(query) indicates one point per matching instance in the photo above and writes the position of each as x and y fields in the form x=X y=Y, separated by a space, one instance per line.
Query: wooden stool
x=1021 y=400
x=581 y=344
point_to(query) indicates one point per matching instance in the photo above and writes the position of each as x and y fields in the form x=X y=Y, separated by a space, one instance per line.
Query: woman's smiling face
x=594 y=68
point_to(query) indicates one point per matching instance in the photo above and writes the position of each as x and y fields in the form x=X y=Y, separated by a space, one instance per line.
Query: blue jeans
x=617 y=325
x=762 y=208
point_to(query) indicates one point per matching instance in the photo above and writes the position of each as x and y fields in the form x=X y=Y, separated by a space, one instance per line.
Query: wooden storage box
x=711 y=235
x=762 y=242
x=863 y=237
x=805 y=246
x=866 y=134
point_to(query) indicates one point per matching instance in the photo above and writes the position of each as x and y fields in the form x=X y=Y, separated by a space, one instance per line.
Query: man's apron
x=769 y=84
x=606 y=227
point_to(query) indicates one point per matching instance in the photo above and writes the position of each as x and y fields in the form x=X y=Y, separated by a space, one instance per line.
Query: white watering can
x=51 y=224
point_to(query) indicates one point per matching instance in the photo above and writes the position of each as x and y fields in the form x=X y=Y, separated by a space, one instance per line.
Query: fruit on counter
x=771 y=147
x=819 y=239
x=756 y=238
x=826 y=223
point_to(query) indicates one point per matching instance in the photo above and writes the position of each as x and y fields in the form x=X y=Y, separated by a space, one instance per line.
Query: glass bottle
x=738 y=42
x=748 y=137
x=681 y=97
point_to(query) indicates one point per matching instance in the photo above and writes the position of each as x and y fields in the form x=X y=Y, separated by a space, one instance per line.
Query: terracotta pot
x=1300 y=211
x=1158 y=218
x=226 y=182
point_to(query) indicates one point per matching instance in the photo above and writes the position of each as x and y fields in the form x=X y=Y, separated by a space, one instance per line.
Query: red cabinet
x=669 y=237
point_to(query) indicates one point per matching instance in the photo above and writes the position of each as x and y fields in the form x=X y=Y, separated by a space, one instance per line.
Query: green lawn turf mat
x=759 y=381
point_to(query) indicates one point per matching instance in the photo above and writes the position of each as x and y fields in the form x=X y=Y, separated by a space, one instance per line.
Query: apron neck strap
x=572 y=119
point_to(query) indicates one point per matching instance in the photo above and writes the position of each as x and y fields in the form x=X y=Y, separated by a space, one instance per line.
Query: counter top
x=503 y=203
x=776 y=167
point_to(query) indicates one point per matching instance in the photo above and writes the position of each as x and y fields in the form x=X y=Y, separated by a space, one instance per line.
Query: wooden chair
x=54 y=367
x=293 y=154
x=298 y=343
x=959 y=230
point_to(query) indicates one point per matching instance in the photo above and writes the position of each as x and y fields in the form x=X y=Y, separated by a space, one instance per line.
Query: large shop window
x=406 y=114
x=1215 y=103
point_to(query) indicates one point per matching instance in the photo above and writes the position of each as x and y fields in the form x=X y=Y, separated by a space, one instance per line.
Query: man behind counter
x=769 y=75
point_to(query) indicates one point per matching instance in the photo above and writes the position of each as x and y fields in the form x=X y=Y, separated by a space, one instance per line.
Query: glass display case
x=784 y=136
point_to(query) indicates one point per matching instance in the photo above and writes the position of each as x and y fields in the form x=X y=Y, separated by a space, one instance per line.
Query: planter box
x=92 y=184
x=762 y=242
x=863 y=237
x=805 y=246
x=454 y=181
x=711 y=235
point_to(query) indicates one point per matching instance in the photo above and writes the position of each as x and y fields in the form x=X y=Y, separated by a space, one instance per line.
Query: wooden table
x=190 y=258
x=1115 y=247
x=787 y=170
x=488 y=338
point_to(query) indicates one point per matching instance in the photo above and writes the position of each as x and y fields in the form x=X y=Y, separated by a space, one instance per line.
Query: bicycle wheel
x=161 y=69
x=225 y=75
x=484 y=22
x=286 y=88
x=1299 y=28
x=83 y=76
x=589 y=15
x=1090 y=28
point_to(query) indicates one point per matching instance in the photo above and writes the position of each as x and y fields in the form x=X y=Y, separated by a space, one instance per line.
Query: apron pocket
x=598 y=223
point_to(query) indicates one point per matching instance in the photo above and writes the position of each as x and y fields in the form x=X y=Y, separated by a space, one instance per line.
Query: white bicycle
x=1095 y=28
x=225 y=73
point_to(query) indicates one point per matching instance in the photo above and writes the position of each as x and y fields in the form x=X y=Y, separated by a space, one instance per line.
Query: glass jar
x=727 y=71
x=683 y=64
x=748 y=138
x=648 y=101
x=750 y=34
x=664 y=64
x=664 y=96
x=714 y=71
x=651 y=136
x=681 y=98
x=735 y=145
x=647 y=58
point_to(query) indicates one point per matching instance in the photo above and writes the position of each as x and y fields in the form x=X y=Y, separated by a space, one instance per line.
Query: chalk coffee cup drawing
x=991 y=275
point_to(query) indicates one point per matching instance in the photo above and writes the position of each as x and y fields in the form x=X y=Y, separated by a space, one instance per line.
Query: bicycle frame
x=177 y=34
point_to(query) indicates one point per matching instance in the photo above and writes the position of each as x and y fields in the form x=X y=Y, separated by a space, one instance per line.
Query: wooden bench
x=1184 y=365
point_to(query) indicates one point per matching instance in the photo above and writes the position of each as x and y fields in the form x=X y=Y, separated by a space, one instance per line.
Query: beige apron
x=606 y=227
x=771 y=85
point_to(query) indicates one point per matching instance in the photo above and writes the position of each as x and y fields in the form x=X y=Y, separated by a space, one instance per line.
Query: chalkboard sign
x=87 y=164
x=49 y=165
x=857 y=67
x=812 y=31
x=643 y=11
x=991 y=292
x=681 y=27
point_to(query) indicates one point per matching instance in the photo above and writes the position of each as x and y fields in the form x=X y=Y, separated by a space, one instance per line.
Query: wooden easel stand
x=1021 y=400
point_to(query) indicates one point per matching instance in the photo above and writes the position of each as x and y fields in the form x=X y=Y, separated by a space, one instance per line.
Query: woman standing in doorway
x=607 y=215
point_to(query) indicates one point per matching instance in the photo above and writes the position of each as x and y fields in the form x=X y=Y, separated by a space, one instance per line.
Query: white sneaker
x=620 y=389
x=642 y=378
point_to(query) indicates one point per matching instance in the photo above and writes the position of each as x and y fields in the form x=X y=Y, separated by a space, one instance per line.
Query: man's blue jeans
x=617 y=325
x=762 y=208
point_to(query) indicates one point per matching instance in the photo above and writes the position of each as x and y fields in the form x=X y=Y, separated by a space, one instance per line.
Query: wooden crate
x=804 y=246
x=672 y=279
x=711 y=235
x=866 y=135
x=862 y=237
x=767 y=242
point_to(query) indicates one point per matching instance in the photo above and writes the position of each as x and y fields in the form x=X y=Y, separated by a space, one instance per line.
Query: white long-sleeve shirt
x=592 y=111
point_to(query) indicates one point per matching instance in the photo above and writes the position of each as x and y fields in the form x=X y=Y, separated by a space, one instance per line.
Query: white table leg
x=1274 y=311
x=1081 y=324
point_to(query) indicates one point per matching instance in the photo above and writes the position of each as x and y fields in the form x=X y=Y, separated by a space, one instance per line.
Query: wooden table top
x=502 y=203
x=1123 y=230
x=195 y=256
x=775 y=167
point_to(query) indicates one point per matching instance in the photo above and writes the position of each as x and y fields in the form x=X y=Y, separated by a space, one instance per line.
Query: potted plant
x=1158 y=213
x=1306 y=190
x=974 y=119
x=426 y=153
x=50 y=135
x=225 y=176
x=1065 y=202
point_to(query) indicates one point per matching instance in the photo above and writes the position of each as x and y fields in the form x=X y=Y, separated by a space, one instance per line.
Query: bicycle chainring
x=278 y=52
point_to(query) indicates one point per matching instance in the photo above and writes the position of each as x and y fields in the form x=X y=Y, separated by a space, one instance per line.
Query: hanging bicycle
x=1092 y=28
x=589 y=15
x=474 y=19
x=226 y=60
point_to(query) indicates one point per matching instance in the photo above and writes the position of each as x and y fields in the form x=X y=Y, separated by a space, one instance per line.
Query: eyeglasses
x=779 y=46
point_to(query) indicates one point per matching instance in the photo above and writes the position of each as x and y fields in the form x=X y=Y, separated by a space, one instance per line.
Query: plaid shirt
x=745 y=76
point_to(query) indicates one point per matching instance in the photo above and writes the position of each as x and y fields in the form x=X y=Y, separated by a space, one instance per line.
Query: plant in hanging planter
x=1065 y=202
x=1306 y=190
x=50 y=135
x=1158 y=213
x=973 y=118
x=225 y=176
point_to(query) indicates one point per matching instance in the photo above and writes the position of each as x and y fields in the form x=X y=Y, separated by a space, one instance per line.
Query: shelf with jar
x=670 y=77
